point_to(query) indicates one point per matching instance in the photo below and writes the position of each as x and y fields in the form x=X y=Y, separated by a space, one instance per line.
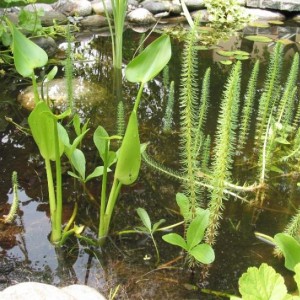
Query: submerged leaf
x=203 y=253
x=175 y=239
x=144 y=218
x=226 y=62
x=262 y=283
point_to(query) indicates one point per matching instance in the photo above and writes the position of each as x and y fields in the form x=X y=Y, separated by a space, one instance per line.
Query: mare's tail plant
x=224 y=150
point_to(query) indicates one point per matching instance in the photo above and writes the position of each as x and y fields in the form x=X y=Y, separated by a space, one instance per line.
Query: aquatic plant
x=224 y=150
x=168 y=117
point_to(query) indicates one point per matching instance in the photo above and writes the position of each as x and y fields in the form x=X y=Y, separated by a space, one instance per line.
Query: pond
x=127 y=262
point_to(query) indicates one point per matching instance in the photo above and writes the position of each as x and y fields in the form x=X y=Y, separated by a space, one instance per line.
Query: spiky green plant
x=248 y=108
x=270 y=93
x=168 y=118
x=120 y=119
x=69 y=69
x=224 y=150
x=188 y=103
x=205 y=154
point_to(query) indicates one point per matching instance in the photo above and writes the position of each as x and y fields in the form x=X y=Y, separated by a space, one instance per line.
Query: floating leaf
x=150 y=61
x=262 y=283
x=275 y=22
x=226 y=62
x=226 y=53
x=241 y=52
x=27 y=55
x=241 y=57
x=285 y=41
x=203 y=253
x=175 y=239
x=259 y=24
x=258 y=38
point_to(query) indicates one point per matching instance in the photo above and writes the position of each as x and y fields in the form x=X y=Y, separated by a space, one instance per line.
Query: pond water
x=127 y=262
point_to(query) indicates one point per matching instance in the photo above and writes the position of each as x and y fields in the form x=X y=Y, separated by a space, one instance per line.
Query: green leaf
x=51 y=74
x=290 y=249
x=276 y=169
x=226 y=62
x=74 y=175
x=297 y=275
x=184 y=205
x=258 y=38
x=96 y=173
x=195 y=232
x=100 y=140
x=203 y=253
x=226 y=53
x=27 y=55
x=78 y=162
x=129 y=160
x=150 y=61
x=262 y=284
x=42 y=123
x=175 y=239
x=157 y=224
x=145 y=218
x=275 y=22
x=260 y=24
x=282 y=140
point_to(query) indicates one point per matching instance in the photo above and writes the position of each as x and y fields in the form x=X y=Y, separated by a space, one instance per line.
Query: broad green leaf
x=150 y=61
x=241 y=57
x=63 y=135
x=290 y=249
x=76 y=124
x=42 y=123
x=96 y=173
x=226 y=53
x=112 y=158
x=129 y=160
x=260 y=24
x=145 y=218
x=195 y=231
x=258 y=38
x=241 y=52
x=235 y=298
x=275 y=22
x=175 y=239
x=100 y=140
x=51 y=74
x=297 y=275
x=157 y=224
x=74 y=175
x=184 y=205
x=78 y=162
x=261 y=284
x=27 y=55
x=226 y=62
x=203 y=253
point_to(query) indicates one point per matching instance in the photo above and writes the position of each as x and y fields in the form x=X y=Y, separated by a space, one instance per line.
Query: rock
x=202 y=14
x=264 y=15
x=47 y=43
x=94 y=21
x=141 y=16
x=296 y=18
x=157 y=6
x=289 y=5
x=85 y=93
x=80 y=8
x=50 y=17
x=194 y=4
x=98 y=8
x=36 y=290
x=37 y=6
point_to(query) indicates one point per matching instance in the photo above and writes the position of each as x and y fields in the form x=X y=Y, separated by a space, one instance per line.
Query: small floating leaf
x=259 y=24
x=241 y=57
x=241 y=52
x=258 y=38
x=226 y=53
x=226 y=62
x=275 y=22
x=285 y=41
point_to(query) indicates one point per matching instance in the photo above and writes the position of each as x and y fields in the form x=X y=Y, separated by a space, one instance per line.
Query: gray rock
x=33 y=8
x=194 y=4
x=289 y=5
x=94 y=21
x=47 y=43
x=296 y=18
x=51 y=16
x=157 y=6
x=141 y=16
x=35 y=290
x=79 y=8
x=264 y=15
x=98 y=8
x=56 y=91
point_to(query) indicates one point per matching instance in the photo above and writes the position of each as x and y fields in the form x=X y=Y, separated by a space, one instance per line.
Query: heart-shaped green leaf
x=150 y=61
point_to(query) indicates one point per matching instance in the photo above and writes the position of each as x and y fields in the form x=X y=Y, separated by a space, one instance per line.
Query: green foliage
x=248 y=108
x=202 y=253
x=120 y=119
x=10 y=3
x=224 y=149
x=27 y=55
x=150 y=61
x=30 y=21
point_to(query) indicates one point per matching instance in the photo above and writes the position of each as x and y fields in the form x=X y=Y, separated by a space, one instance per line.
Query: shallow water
x=127 y=262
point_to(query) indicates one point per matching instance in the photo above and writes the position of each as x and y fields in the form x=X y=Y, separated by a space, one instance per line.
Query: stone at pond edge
x=50 y=17
x=141 y=16
x=265 y=15
x=157 y=6
x=94 y=21
x=289 y=5
x=36 y=290
x=79 y=8
x=47 y=43
x=37 y=6
x=98 y=8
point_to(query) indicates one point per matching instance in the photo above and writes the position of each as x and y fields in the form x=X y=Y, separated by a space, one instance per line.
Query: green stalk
x=35 y=89
x=55 y=234
x=138 y=98
x=103 y=193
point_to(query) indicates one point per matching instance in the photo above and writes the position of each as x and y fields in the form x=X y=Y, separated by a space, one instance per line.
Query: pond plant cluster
x=207 y=162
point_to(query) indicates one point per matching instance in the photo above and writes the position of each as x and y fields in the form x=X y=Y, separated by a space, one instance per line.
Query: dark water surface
x=127 y=262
